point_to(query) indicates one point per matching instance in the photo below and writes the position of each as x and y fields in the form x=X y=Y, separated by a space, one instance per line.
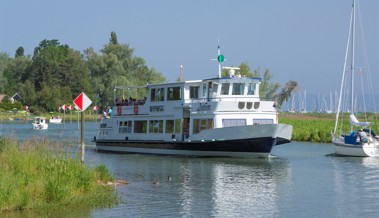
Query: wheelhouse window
x=156 y=126
x=194 y=92
x=174 y=93
x=238 y=88
x=205 y=91
x=201 y=124
x=225 y=89
x=233 y=122
x=251 y=88
x=214 y=89
x=157 y=94
x=140 y=126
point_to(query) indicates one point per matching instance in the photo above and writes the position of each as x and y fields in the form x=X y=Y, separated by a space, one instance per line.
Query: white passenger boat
x=40 y=123
x=55 y=120
x=218 y=117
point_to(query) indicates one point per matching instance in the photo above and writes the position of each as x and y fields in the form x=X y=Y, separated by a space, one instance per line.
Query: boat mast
x=344 y=69
x=220 y=58
x=352 y=63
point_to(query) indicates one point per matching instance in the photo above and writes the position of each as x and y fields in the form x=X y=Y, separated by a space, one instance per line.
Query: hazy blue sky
x=302 y=40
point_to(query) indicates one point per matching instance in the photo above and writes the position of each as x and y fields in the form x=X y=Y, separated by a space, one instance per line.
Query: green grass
x=318 y=127
x=39 y=175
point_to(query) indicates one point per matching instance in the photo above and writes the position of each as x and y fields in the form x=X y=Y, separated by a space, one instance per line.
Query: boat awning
x=355 y=121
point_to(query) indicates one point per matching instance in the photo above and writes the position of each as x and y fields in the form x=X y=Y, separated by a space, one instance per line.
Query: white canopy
x=355 y=121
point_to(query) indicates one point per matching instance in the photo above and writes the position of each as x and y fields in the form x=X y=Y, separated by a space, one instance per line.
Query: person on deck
x=110 y=111
x=362 y=136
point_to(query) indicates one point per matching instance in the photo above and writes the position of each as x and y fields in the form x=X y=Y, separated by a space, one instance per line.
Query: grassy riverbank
x=317 y=127
x=42 y=175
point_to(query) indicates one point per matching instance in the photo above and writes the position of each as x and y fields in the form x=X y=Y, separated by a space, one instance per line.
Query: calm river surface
x=300 y=180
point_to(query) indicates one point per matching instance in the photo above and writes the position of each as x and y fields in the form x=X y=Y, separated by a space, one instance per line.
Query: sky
x=301 y=40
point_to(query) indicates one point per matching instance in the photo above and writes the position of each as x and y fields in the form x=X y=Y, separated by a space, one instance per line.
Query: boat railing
x=219 y=99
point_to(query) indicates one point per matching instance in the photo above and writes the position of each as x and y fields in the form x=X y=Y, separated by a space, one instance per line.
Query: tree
x=286 y=92
x=19 y=52
x=267 y=90
x=16 y=73
x=4 y=61
x=116 y=66
x=113 y=39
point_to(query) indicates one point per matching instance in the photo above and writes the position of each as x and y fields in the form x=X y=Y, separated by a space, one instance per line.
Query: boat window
x=194 y=92
x=140 y=126
x=251 y=88
x=238 y=88
x=169 y=126
x=201 y=124
x=233 y=122
x=157 y=94
x=174 y=93
x=205 y=91
x=225 y=89
x=178 y=125
x=125 y=127
x=156 y=126
x=215 y=89
x=263 y=121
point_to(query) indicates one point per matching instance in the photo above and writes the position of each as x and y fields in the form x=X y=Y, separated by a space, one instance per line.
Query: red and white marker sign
x=82 y=102
x=64 y=107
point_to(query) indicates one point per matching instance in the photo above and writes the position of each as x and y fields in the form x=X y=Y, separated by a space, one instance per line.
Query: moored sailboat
x=361 y=141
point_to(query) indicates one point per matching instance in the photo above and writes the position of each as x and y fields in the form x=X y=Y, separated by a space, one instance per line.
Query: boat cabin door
x=186 y=124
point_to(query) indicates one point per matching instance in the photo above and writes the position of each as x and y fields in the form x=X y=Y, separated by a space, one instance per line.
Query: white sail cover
x=355 y=121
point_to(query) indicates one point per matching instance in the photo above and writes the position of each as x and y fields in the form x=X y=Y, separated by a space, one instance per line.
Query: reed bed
x=38 y=174
x=318 y=127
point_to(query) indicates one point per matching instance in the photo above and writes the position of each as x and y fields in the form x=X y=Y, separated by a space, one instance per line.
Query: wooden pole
x=82 y=134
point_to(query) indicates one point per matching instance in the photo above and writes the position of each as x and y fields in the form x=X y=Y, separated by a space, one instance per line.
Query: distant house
x=15 y=98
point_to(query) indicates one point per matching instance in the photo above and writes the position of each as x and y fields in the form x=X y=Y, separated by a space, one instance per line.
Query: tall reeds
x=39 y=174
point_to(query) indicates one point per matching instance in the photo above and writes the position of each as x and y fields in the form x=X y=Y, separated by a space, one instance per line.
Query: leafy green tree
x=4 y=61
x=286 y=91
x=113 y=39
x=116 y=66
x=267 y=90
x=19 y=52
x=16 y=73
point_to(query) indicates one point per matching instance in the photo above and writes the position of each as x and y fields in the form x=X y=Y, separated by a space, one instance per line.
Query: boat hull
x=55 y=121
x=356 y=150
x=259 y=145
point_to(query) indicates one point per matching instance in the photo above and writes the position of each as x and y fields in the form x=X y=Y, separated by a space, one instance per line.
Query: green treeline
x=56 y=74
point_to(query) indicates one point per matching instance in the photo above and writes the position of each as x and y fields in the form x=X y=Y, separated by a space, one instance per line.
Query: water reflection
x=356 y=176
x=227 y=187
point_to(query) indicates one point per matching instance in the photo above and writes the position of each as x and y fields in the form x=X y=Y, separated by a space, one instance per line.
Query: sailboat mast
x=352 y=62
x=344 y=70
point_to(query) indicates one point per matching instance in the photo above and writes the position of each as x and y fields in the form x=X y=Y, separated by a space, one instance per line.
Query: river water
x=299 y=180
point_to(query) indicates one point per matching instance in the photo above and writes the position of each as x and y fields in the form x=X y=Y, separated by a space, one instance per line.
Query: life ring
x=135 y=108
x=119 y=109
